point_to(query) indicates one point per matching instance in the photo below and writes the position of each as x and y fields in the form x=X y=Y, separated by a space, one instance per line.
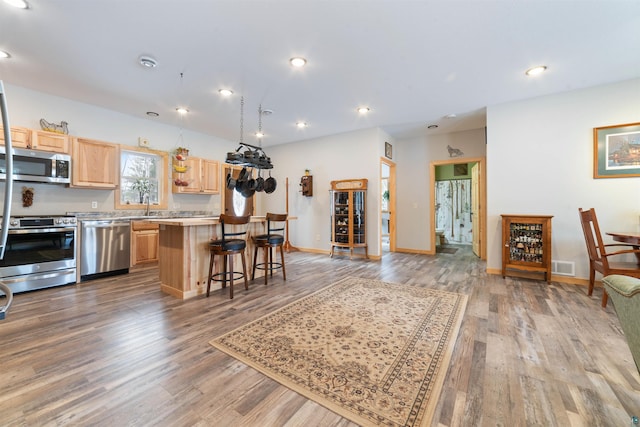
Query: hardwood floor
x=117 y=351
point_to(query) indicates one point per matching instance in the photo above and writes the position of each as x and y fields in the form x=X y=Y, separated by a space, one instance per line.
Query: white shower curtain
x=453 y=210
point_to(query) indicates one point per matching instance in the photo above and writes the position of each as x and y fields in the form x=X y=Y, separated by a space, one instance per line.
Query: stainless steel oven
x=40 y=253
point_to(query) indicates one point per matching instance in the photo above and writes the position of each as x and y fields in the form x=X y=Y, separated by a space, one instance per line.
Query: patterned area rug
x=374 y=352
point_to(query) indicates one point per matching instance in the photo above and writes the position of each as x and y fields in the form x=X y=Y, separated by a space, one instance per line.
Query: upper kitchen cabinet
x=94 y=164
x=20 y=137
x=193 y=175
x=50 y=141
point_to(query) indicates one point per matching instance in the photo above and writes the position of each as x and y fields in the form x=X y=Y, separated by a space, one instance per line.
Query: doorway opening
x=387 y=206
x=458 y=194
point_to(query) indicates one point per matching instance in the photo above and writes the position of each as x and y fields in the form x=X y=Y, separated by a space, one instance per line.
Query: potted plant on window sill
x=143 y=186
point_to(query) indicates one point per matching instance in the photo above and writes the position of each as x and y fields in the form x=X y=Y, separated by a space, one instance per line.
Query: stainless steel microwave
x=37 y=166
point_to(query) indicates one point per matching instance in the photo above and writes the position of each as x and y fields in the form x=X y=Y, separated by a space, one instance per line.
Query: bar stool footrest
x=225 y=276
x=265 y=266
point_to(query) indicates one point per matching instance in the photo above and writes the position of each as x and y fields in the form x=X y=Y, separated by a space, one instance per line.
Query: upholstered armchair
x=624 y=291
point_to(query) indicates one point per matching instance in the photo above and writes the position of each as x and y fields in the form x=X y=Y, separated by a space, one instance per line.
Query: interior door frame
x=235 y=170
x=482 y=187
x=392 y=205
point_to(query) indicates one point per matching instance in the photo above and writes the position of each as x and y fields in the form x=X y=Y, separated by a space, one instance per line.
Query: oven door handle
x=41 y=230
x=105 y=224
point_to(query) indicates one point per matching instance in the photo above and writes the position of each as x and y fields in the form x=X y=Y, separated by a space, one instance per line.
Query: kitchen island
x=184 y=252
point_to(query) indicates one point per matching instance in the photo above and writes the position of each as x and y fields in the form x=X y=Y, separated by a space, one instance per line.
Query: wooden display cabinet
x=526 y=245
x=348 y=215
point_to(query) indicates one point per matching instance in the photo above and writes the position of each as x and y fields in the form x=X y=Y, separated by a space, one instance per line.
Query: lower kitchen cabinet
x=144 y=243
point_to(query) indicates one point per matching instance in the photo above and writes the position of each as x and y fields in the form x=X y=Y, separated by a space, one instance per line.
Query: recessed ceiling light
x=301 y=125
x=148 y=62
x=267 y=112
x=21 y=4
x=225 y=92
x=259 y=134
x=451 y=116
x=536 y=70
x=363 y=110
x=152 y=114
x=4 y=54
x=182 y=110
x=432 y=127
x=298 y=62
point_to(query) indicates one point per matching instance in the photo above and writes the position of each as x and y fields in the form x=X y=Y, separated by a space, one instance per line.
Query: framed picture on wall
x=388 y=153
x=616 y=151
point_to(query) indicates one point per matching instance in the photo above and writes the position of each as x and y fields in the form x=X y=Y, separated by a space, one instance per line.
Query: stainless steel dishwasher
x=104 y=248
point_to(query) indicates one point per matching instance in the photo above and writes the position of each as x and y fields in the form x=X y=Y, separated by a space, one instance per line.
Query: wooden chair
x=232 y=242
x=272 y=239
x=599 y=258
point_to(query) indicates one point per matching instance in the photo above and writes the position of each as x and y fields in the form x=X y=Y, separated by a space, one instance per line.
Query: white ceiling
x=411 y=62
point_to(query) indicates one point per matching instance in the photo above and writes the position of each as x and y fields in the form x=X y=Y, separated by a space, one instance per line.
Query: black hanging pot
x=259 y=183
x=247 y=192
x=231 y=182
x=270 y=184
x=234 y=158
x=243 y=175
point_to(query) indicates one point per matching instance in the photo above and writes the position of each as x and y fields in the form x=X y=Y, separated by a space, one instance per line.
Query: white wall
x=413 y=202
x=540 y=161
x=350 y=155
x=27 y=107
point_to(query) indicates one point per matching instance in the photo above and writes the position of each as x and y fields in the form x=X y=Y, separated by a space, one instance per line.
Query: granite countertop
x=141 y=215
x=195 y=221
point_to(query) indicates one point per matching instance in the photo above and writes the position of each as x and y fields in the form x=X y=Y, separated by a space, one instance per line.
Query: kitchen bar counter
x=184 y=253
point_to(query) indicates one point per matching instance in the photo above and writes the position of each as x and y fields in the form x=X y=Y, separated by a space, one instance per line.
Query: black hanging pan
x=259 y=181
x=270 y=184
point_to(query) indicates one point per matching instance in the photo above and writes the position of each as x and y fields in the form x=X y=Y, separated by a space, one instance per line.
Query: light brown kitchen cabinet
x=526 y=245
x=94 y=164
x=50 y=141
x=20 y=137
x=194 y=175
x=144 y=243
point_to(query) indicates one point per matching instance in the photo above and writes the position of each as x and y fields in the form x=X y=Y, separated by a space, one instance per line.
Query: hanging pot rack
x=253 y=156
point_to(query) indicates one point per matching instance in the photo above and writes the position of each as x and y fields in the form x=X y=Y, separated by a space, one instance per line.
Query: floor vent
x=563 y=268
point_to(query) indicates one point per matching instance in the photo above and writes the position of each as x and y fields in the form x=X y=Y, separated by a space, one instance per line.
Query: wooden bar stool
x=229 y=245
x=272 y=239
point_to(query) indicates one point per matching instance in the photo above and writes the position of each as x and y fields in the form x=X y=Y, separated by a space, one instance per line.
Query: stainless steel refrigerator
x=8 y=193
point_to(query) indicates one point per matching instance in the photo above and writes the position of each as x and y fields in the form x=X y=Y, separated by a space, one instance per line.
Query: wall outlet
x=143 y=142
x=317 y=237
x=94 y=205
x=176 y=206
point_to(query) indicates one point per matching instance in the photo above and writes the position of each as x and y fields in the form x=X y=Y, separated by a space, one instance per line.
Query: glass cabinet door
x=359 y=217
x=341 y=216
